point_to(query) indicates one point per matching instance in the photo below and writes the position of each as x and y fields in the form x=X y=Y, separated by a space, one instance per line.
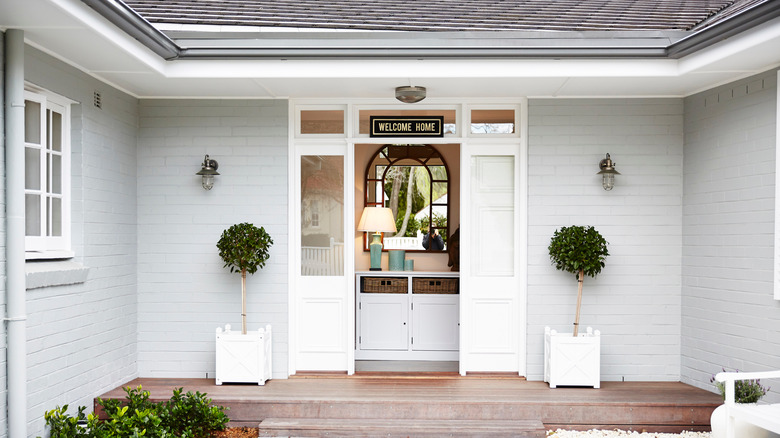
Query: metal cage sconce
x=607 y=173
x=207 y=172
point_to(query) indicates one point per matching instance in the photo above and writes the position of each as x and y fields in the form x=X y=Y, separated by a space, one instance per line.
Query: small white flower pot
x=243 y=358
x=572 y=361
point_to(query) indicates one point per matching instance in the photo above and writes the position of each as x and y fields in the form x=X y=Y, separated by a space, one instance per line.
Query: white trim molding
x=777 y=193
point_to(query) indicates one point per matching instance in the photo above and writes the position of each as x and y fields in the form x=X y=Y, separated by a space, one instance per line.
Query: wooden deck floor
x=649 y=406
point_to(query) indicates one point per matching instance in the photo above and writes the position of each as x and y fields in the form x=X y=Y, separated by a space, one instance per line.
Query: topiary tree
x=244 y=248
x=581 y=251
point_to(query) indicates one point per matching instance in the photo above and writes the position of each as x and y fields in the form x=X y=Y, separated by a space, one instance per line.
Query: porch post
x=14 y=259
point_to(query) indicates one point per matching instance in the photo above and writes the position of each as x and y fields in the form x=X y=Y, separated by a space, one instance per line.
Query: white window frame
x=46 y=246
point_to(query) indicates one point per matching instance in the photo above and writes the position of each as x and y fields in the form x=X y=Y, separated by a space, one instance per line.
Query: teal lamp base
x=375 y=249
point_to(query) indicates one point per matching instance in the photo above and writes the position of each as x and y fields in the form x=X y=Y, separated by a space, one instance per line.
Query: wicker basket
x=435 y=285
x=384 y=285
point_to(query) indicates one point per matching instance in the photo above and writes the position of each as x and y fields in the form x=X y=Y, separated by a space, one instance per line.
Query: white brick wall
x=82 y=338
x=730 y=318
x=184 y=292
x=635 y=301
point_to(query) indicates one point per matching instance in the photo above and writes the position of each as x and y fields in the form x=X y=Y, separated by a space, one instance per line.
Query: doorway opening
x=407 y=319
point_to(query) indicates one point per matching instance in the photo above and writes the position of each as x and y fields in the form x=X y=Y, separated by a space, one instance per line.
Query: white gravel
x=622 y=433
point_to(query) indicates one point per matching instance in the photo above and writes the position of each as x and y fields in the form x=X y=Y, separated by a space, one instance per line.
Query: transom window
x=47 y=176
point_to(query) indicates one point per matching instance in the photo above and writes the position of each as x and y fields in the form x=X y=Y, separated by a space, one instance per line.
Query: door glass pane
x=32 y=218
x=32 y=169
x=492 y=215
x=32 y=122
x=322 y=215
x=322 y=121
x=493 y=121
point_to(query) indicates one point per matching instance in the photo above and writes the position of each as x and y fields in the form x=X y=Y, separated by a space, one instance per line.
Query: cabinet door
x=384 y=321
x=435 y=322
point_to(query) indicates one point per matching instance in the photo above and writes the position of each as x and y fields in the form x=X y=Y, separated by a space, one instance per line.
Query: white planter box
x=570 y=361
x=243 y=358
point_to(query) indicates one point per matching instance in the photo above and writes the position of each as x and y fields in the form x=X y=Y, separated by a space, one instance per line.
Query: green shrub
x=187 y=416
x=192 y=415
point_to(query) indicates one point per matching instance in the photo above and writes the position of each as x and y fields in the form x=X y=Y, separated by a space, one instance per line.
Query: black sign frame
x=407 y=126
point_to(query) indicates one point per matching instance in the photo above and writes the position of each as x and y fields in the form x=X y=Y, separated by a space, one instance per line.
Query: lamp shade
x=377 y=219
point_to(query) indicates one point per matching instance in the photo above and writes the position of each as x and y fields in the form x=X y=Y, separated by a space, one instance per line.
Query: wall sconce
x=379 y=220
x=607 y=173
x=208 y=170
x=410 y=94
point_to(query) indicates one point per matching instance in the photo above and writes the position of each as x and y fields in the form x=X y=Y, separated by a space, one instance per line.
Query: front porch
x=363 y=402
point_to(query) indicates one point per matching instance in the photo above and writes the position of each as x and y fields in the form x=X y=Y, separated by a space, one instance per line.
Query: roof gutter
x=726 y=29
x=136 y=26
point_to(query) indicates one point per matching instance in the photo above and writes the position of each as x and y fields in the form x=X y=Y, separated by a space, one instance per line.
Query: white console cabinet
x=405 y=315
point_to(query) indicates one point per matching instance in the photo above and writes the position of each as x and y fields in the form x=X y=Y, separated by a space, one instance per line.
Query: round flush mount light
x=410 y=94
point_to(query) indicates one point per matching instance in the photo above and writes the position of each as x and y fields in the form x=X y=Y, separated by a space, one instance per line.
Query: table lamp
x=377 y=220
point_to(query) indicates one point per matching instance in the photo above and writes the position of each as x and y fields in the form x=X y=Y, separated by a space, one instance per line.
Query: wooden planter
x=243 y=358
x=572 y=361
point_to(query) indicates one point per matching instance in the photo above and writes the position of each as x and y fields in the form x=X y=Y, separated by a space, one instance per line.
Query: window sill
x=54 y=273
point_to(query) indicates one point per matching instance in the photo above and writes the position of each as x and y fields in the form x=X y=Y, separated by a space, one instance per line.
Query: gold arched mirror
x=413 y=181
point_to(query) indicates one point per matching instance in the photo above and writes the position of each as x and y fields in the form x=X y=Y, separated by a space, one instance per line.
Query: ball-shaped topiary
x=580 y=250
x=244 y=248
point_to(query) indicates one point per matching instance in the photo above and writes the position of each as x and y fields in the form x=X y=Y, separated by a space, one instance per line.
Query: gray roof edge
x=136 y=26
x=676 y=45
x=710 y=35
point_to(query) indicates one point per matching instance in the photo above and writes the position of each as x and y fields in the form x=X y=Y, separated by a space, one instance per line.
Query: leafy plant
x=187 y=416
x=581 y=251
x=192 y=415
x=244 y=248
x=62 y=425
x=745 y=391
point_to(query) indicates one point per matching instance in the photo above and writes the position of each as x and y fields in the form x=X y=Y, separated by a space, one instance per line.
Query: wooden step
x=378 y=427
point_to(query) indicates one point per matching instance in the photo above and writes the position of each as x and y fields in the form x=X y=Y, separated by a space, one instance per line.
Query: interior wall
x=81 y=338
x=422 y=261
x=729 y=316
x=635 y=301
x=184 y=291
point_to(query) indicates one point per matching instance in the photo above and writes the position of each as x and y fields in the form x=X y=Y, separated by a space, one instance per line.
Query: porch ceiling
x=78 y=35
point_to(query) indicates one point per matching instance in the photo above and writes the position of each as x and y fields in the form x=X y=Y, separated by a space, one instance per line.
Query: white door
x=435 y=324
x=322 y=306
x=492 y=259
x=384 y=322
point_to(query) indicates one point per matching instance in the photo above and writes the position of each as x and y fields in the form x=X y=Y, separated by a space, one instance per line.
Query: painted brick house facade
x=688 y=288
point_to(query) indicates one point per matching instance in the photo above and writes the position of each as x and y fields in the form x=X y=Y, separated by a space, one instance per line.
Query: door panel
x=435 y=322
x=384 y=321
x=492 y=307
x=321 y=328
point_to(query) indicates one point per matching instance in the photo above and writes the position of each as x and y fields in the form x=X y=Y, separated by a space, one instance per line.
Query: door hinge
x=412 y=340
x=360 y=340
x=360 y=306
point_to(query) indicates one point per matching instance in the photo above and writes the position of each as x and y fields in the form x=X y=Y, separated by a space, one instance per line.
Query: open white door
x=492 y=259
x=321 y=317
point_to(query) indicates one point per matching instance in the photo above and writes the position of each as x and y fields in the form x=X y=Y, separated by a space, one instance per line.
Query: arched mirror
x=413 y=181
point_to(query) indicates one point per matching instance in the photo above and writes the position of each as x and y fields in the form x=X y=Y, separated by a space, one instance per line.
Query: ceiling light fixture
x=410 y=94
